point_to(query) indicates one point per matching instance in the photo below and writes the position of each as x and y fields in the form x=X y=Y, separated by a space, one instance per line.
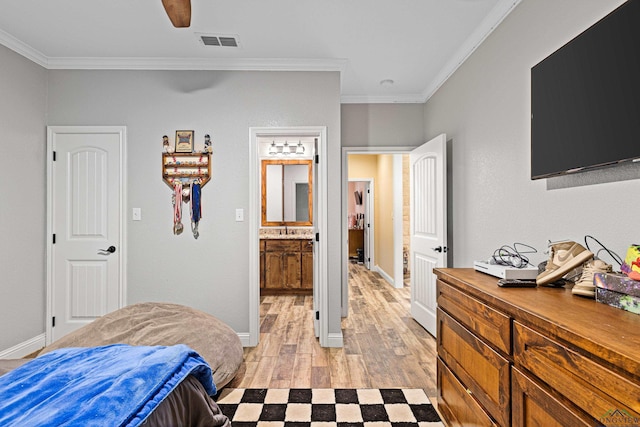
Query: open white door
x=368 y=222
x=428 y=227
x=316 y=246
x=85 y=211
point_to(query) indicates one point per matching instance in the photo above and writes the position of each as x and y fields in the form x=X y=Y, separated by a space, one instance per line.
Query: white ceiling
x=415 y=43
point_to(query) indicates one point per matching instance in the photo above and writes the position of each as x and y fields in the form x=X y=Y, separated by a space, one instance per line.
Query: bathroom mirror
x=287 y=193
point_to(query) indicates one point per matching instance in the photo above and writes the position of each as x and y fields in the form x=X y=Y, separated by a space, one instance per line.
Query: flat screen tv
x=585 y=98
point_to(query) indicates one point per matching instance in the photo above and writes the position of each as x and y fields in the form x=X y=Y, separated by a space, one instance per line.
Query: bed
x=144 y=339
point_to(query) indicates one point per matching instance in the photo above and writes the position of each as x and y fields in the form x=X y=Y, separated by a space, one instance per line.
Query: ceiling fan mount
x=179 y=12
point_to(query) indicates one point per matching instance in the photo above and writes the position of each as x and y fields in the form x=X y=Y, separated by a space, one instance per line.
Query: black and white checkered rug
x=321 y=407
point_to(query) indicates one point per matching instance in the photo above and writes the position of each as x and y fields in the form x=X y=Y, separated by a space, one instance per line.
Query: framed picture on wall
x=184 y=141
x=358 y=195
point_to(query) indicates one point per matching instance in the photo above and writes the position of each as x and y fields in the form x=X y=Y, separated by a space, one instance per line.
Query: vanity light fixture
x=286 y=149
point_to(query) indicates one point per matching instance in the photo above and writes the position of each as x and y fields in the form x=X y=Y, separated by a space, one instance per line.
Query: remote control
x=516 y=283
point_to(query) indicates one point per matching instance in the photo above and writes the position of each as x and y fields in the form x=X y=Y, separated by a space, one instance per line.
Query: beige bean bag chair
x=164 y=324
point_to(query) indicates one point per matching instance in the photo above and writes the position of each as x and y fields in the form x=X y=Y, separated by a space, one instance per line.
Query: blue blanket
x=115 y=385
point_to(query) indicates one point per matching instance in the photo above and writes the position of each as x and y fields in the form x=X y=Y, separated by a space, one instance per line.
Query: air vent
x=219 y=40
x=210 y=41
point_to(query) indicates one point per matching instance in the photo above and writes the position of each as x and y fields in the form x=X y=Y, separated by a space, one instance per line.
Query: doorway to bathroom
x=301 y=145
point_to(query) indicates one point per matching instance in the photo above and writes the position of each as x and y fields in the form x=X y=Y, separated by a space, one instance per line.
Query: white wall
x=22 y=193
x=209 y=273
x=485 y=109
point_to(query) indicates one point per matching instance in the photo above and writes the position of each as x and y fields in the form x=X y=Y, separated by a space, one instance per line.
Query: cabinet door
x=307 y=264
x=534 y=406
x=292 y=270
x=262 y=266
x=274 y=270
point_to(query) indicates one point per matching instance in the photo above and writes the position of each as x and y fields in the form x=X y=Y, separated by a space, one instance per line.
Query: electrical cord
x=512 y=256
x=614 y=256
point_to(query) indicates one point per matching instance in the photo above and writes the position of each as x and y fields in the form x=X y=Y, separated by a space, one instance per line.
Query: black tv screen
x=585 y=98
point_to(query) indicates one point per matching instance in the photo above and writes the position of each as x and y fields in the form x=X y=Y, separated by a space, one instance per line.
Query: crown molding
x=383 y=99
x=499 y=12
x=219 y=64
x=127 y=63
x=23 y=49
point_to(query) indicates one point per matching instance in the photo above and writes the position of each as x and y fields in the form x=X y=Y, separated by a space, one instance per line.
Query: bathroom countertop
x=291 y=235
x=287 y=236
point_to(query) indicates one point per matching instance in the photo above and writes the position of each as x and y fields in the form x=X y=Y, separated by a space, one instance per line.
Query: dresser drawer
x=478 y=317
x=589 y=384
x=534 y=406
x=483 y=371
x=456 y=404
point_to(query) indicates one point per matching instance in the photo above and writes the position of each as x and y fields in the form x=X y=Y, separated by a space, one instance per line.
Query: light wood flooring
x=383 y=346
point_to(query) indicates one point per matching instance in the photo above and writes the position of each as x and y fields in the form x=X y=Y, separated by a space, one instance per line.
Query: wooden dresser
x=533 y=357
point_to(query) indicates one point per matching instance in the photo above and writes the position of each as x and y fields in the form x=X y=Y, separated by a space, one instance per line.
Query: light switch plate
x=137 y=214
x=239 y=215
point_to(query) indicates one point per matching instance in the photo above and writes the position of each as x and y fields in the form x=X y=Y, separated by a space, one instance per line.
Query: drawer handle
x=469 y=392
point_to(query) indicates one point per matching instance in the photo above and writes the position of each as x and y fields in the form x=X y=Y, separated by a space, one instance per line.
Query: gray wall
x=382 y=125
x=210 y=273
x=23 y=97
x=485 y=108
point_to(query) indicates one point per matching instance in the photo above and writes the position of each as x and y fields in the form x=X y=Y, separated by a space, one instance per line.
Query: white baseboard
x=384 y=275
x=245 y=339
x=24 y=348
x=335 y=340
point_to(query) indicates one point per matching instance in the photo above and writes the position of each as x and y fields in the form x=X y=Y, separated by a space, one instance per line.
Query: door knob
x=110 y=249
x=440 y=249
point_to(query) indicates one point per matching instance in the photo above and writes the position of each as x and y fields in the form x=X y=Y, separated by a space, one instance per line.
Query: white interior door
x=316 y=245
x=368 y=222
x=85 y=220
x=428 y=227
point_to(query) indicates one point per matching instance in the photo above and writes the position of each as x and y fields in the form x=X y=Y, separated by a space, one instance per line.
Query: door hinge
x=317 y=159
x=53 y=322
x=317 y=237
x=54 y=239
x=317 y=315
x=54 y=156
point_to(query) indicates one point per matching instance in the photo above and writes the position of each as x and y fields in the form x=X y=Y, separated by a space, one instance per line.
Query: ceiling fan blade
x=179 y=12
